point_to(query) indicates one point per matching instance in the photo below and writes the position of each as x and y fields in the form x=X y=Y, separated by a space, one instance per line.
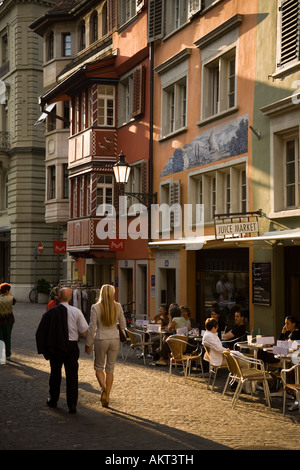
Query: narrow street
x=148 y=412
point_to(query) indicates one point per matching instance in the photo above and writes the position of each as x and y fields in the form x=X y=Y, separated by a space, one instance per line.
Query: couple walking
x=57 y=339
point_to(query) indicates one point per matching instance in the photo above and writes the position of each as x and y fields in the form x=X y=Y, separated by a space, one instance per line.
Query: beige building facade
x=22 y=152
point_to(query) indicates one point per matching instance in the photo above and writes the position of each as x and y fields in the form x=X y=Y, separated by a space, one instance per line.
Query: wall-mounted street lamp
x=122 y=172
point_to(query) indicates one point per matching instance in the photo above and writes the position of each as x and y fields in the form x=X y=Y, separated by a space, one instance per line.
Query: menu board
x=261 y=283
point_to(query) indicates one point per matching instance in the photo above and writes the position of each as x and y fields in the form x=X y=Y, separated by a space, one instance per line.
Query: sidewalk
x=148 y=412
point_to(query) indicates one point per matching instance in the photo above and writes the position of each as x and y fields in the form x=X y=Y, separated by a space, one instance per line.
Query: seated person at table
x=290 y=331
x=213 y=342
x=238 y=330
x=186 y=313
x=162 y=316
x=216 y=314
x=176 y=321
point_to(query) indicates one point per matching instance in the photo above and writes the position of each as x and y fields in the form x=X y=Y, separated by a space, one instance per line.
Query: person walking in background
x=7 y=318
x=103 y=333
x=57 y=339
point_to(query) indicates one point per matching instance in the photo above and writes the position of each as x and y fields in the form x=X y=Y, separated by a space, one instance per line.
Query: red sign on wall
x=116 y=245
x=60 y=247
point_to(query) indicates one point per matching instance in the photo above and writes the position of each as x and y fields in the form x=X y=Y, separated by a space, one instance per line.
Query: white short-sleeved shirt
x=76 y=321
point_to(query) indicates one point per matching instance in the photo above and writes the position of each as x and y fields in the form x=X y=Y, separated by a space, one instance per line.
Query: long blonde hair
x=107 y=305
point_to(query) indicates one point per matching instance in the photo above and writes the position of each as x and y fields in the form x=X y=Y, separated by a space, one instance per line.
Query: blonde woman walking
x=103 y=333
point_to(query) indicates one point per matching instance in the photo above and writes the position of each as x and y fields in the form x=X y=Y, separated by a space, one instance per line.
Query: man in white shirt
x=57 y=337
x=213 y=342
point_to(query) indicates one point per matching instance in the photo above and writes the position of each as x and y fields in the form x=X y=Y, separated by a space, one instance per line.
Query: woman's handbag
x=122 y=335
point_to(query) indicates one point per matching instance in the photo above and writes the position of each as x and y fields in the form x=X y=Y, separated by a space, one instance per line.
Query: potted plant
x=43 y=291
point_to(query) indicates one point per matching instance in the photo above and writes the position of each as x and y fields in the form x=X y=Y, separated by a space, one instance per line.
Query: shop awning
x=276 y=236
x=45 y=114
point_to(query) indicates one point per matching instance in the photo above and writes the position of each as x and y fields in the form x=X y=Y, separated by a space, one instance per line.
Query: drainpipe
x=151 y=54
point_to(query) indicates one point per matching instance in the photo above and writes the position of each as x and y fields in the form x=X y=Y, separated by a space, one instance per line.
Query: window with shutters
x=288 y=27
x=170 y=206
x=136 y=184
x=131 y=95
x=156 y=20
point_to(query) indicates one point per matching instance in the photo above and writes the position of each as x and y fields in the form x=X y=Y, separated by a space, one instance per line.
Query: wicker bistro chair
x=294 y=388
x=137 y=342
x=177 y=345
x=255 y=372
x=213 y=369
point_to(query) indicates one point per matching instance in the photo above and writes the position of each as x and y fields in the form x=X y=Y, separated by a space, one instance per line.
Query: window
x=66 y=111
x=104 y=194
x=82 y=43
x=66 y=37
x=131 y=95
x=6 y=191
x=88 y=194
x=106 y=104
x=292 y=180
x=65 y=181
x=50 y=46
x=51 y=182
x=219 y=85
x=289 y=32
x=174 y=106
x=127 y=10
x=4 y=49
x=94 y=27
x=221 y=191
x=176 y=14
x=134 y=184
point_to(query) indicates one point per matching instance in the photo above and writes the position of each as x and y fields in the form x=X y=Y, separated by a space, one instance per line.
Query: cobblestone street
x=148 y=412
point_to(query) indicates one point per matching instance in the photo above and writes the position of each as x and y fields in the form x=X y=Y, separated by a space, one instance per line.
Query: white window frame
x=105 y=184
x=202 y=191
x=296 y=172
x=106 y=97
x=218 y=80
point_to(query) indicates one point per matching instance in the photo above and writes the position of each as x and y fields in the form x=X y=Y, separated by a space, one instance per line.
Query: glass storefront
x=223 y=279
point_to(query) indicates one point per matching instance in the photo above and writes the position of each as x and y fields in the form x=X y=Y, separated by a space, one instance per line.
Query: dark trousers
x=70 y=362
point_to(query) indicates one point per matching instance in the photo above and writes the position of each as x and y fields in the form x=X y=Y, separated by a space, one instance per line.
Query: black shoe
x=51 y=403
x=72 y=410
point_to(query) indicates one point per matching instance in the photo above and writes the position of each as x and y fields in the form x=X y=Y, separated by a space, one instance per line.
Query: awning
x=276 y=235
x=45 y=114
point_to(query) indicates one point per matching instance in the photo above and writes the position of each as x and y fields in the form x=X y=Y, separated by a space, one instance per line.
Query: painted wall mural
x=226 y=140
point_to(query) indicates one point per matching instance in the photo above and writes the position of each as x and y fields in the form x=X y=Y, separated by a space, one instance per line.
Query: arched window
x=104 y=19
x=94 y=27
